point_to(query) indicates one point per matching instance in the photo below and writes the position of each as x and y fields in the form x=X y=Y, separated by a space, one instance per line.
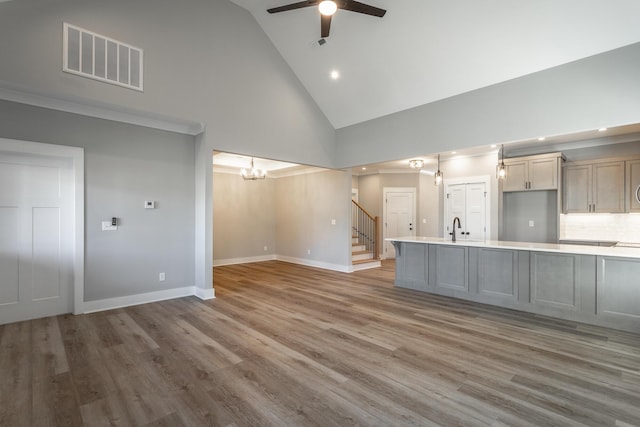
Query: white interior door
x=36 y=236
x=468 y=202
x=475 y=217
x=399 y=216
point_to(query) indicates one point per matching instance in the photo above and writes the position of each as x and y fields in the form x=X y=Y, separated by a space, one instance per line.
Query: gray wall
x=602 y=90
x=289 y=215
x=541 y=207
x=204 y=61
x=209 y=62
x=244 y=217
x=124 y=166
x=305 y=206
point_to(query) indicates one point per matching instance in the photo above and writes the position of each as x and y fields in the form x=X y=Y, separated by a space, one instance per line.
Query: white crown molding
x=9 y=92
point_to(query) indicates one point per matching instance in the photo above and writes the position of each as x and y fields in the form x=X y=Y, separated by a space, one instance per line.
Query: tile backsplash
x=603 y=227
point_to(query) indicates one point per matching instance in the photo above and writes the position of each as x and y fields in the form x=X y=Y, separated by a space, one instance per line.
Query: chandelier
x=253 y=174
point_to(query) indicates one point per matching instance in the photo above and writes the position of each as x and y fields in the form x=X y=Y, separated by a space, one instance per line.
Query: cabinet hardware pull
x=638 y=194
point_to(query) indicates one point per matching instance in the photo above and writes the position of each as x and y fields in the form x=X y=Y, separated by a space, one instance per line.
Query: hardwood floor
x=290 y=345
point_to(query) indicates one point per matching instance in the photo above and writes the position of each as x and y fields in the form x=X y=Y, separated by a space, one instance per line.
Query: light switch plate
x=531 y=223
x=106 y=226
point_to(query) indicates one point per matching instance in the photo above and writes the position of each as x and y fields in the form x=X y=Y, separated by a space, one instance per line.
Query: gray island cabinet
x=589 y=284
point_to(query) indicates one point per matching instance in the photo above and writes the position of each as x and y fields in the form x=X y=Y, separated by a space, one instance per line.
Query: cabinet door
x=633 y=186
x=577 y=188
x=543 y=174
x=608 y=187
x=517 y=176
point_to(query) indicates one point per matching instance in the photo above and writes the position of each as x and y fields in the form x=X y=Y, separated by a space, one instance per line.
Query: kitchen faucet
x=453 y=232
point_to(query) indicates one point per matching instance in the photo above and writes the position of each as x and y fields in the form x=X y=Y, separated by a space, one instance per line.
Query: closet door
x=468 y=203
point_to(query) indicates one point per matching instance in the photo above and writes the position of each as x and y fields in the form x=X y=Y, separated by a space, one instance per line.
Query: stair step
x=361 y=255
x=358 y=248
x=372 y=262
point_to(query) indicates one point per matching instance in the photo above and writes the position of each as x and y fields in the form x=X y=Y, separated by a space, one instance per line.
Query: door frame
x=76 y=156
x=482 y=179
x=386 y=190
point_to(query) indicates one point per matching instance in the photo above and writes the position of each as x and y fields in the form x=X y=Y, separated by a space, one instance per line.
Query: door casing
x=76 y=156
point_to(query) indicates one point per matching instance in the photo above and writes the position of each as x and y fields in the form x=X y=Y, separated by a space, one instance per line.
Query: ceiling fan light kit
x=328 y=7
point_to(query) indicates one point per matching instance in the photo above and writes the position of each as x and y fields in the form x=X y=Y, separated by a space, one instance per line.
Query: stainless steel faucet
x=453 y=232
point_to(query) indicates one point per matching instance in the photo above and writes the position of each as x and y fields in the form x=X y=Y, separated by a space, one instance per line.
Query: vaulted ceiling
x=425 y=50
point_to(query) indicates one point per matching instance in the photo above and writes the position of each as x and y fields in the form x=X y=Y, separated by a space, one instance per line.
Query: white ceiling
x=425 y=50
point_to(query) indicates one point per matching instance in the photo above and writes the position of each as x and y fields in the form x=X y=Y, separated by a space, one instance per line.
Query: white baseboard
x=129 y=300
x=318 y=264
x=246 y=260
x=205 y=294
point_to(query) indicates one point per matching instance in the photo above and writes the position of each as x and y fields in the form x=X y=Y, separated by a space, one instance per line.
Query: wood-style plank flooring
x=291 y=345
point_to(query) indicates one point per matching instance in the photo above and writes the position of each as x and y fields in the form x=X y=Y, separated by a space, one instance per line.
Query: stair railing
x=365 y=227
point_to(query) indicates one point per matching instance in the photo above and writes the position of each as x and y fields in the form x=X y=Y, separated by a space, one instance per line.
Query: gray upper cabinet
x=594 y=187
x=532 y=173
x=633 y=186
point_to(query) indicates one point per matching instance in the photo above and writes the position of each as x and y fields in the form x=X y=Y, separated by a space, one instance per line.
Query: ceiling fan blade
x=325 y=25
x=293 y=6
x=355 y=6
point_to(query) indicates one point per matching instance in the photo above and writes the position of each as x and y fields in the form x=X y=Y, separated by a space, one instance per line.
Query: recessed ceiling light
x=334 y=75
x=602 y=129
x=493 y=145
x=453 y=152
x=542 y=138
x=364 y=169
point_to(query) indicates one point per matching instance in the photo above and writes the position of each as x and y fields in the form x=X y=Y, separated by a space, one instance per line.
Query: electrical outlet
x=531 y=223
x=333 y=222
x=308 y=251
x=265 y=249
x=161 y=277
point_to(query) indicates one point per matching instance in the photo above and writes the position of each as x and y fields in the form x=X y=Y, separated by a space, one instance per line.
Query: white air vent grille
x=88 y=54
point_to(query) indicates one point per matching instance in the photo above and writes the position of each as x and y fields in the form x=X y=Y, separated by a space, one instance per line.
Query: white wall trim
x=205 y=294
x=245 y=260
x=91 y=108
x=76 y=155
x=318 y=264
x=129 y=300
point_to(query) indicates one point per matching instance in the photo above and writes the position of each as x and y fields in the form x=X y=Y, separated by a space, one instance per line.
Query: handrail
x=365 y=227
x=363 y=209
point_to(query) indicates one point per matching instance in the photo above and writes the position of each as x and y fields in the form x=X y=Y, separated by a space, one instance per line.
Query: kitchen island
x=590 y=284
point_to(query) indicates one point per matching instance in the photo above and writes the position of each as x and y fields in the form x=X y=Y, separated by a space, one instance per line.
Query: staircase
x=364 y=239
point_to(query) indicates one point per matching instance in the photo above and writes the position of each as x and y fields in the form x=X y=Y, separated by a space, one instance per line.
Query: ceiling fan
x=328 y=8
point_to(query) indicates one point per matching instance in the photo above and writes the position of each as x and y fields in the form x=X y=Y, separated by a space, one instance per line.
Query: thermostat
x=149 y=204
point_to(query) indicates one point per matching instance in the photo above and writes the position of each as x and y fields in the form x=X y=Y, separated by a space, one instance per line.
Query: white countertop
x=526 y=246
